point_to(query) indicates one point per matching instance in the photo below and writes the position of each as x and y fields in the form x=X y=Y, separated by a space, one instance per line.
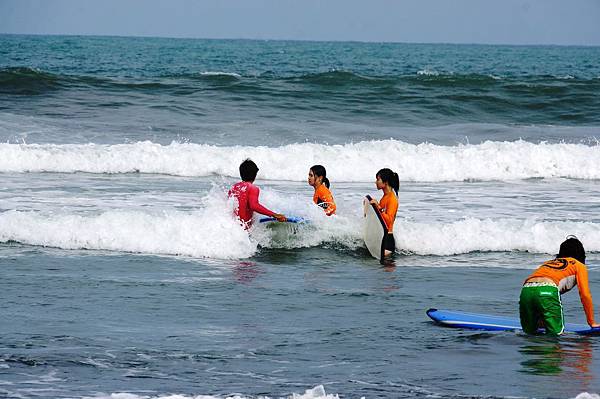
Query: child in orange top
x=540 y=305
x=387 y=180
x=317 y=177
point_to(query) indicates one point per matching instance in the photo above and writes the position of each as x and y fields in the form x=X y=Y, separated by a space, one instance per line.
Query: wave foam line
x=212 y=232
x=355 y=162
x=172 y=233
x=317 y=392
x=493 y=235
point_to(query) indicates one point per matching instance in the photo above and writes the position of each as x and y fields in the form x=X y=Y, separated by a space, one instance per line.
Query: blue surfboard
x=476 y=321
x=290 y=219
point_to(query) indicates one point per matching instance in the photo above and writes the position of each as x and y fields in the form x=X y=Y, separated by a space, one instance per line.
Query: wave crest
x=212 y=232
x=27 y=81
x=354 y=162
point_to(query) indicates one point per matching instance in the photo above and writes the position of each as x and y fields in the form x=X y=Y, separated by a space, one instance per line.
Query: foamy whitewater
x=199 y=234
x=124 y=273
x=317 y=392
x=358 y=162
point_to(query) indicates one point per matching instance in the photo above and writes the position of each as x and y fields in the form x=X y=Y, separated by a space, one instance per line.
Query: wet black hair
x=319 y=171
x=572 y=248
x=390 y=177
x=248 y=170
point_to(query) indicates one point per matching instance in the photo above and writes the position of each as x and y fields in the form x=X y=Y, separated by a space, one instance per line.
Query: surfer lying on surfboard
x=247 y=194
x=317 y=178
x=539 y=303
x=387 y=180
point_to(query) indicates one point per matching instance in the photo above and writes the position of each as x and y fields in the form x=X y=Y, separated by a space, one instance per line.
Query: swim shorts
x=540 y=306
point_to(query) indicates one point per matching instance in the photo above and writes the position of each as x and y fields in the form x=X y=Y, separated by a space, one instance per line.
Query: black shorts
x=389 y=243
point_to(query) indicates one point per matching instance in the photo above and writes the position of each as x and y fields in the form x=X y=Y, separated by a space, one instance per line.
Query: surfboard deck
x=374 y=230
x=477 y=321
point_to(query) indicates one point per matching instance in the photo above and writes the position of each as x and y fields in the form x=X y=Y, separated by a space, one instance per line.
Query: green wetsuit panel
x=540 y=306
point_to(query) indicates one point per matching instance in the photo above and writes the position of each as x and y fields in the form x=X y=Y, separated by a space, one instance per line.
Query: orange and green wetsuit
x=324 y=199
x=539 y=303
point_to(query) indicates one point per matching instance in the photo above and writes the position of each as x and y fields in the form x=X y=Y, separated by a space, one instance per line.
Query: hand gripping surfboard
x=374 y=230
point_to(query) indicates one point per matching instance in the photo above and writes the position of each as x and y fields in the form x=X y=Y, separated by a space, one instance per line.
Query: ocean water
x=124 y=275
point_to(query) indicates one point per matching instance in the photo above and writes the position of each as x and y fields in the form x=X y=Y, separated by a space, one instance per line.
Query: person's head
x=389 y=177
x=248 y=170
x=572 y=248
x=316 y=175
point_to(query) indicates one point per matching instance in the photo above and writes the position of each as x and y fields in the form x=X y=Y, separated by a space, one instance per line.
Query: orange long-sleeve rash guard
x=388 y=207
x=324 y=199
x=567 y=273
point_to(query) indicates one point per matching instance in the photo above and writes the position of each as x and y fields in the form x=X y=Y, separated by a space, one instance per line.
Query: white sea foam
x=471 y=234
x=317 y=392
x=218 y=73
x=355 y=162
x=427 y=72
x=209 y=232
x=585 y=395
x=213 y=232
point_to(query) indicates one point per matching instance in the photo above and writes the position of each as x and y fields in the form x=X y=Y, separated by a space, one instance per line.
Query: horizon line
x=141 y=36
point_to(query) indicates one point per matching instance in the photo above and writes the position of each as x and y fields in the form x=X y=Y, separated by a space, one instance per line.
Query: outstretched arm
x=255 y=205
x=584 y=294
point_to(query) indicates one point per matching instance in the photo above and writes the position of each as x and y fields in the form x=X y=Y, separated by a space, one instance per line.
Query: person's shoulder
x=241 y=186
x=389 y=196
x=576 y=263
x=323 y=189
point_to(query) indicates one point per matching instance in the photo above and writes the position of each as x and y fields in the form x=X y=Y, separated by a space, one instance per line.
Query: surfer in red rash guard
x=247 y=194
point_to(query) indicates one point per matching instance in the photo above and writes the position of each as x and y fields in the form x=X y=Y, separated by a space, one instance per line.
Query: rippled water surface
x=123 y=274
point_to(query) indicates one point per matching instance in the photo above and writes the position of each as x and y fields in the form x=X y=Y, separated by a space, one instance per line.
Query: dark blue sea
x=124 y=275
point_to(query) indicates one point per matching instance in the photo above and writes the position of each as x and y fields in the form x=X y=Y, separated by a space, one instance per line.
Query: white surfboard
x=374 y=230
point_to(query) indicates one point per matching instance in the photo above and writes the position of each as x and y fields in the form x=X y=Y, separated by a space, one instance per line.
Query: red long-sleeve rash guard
x=247 y=195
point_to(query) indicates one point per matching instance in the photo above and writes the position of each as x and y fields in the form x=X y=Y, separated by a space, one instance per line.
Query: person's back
x=540 y=304
x=240 y=192
x=389 y=207
x=565 y=273
x=247 y=194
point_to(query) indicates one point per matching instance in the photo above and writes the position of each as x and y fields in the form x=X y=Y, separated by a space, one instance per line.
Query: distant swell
x=27 y=81
x=334 y=79
x=356 y=162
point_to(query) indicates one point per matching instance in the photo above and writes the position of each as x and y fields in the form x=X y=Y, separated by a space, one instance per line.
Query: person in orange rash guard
x=247 y=194
x=317 y=177
x=539 y=303
x=388 y=181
